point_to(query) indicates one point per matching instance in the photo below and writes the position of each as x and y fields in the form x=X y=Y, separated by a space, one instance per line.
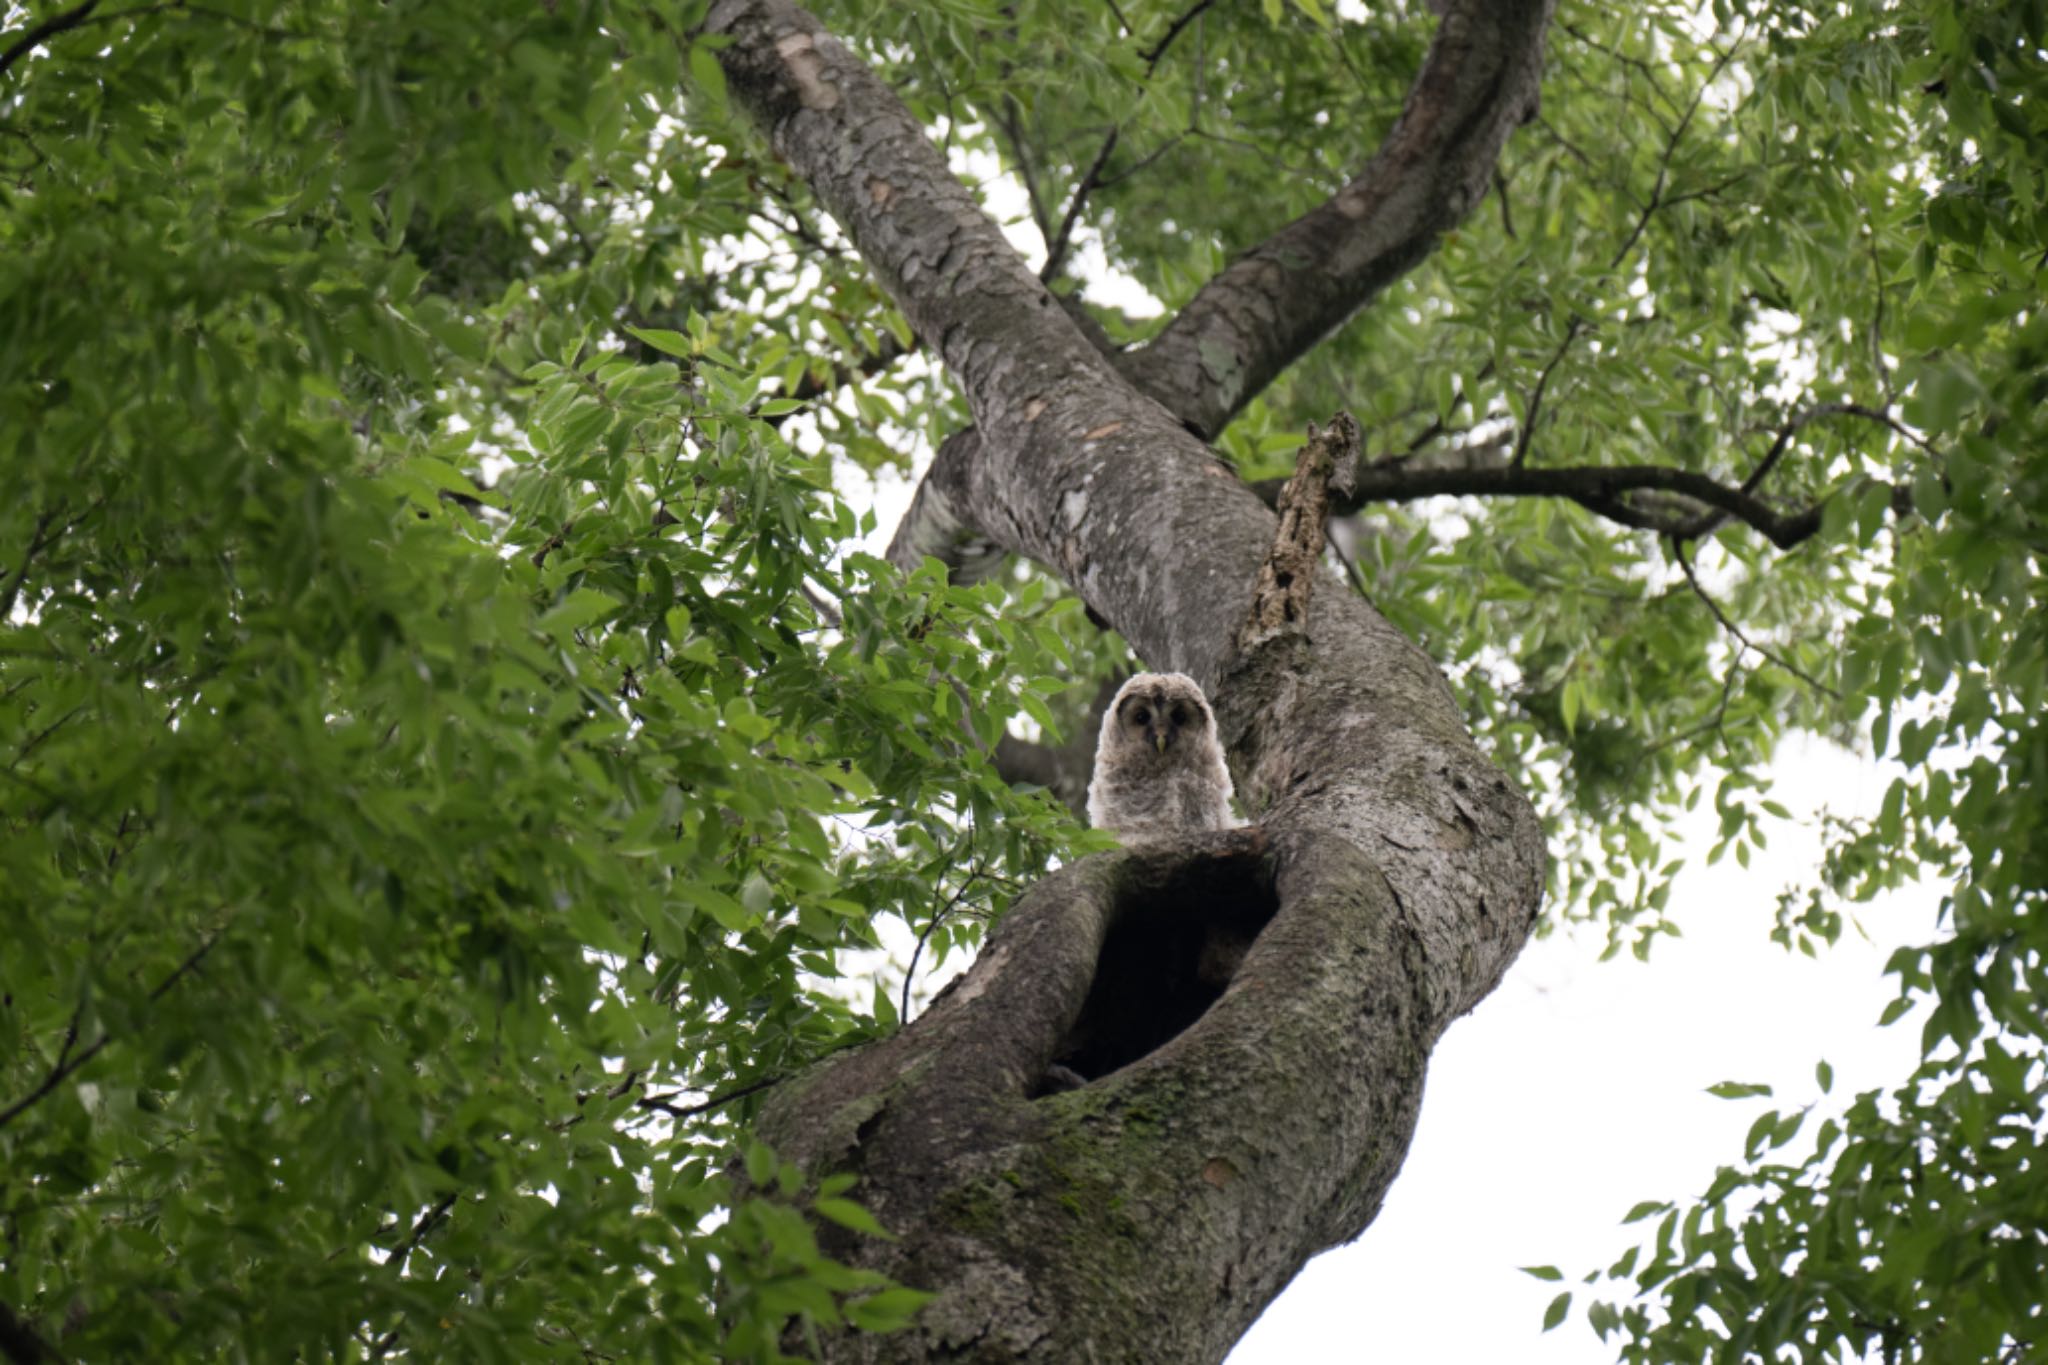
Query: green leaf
x=889 y=1311
x=706 y=74
x=1737 y=1090
x=663 y=340
x=848 y=1214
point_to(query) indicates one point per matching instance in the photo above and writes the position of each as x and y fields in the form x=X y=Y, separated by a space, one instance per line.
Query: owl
x=1158 y=766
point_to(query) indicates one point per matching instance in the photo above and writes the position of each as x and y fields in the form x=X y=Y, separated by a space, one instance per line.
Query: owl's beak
x=1160 y=737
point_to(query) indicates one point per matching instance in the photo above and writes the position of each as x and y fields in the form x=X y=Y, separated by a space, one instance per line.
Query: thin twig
x=910 y=972
x=1173 y=30
x=1657 y=201
x=1141 y=163
x=43 y=32
x=665 y=1103
x=1057 y=244
x=82 y=15
x=1678 y=550
x=1670 y=149
x=65 y=1068
x=425 y=1224
x=1010 y=123
x=1352 y=570
x=1534 y=405
x=1056 y=253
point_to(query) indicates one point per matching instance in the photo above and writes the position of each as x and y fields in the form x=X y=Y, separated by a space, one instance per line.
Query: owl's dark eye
x=1141 y=716
x=1180 y=715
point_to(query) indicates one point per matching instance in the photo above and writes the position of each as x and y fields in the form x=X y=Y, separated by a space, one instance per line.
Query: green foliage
x=450 y=734
x=1909 y=265
x=447 y=734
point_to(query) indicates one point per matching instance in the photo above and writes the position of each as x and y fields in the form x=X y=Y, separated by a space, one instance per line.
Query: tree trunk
x=1252 y=1014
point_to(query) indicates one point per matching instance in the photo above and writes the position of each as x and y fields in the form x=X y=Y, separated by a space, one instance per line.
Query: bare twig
x=1011 y=123
x=1141 y=163
x=1056 y=251
x=1721 y=60
x=1657 y=200
x=1058 y=243
x=1534 y=405
x=1153 y=53
x=67 y=1066
x=1352 y=571
x=46 y=30
x=79 y=16
x=1678 y=550
x=910 y=973
x=425 y=1224
x=666 y=1103
x=41 y=539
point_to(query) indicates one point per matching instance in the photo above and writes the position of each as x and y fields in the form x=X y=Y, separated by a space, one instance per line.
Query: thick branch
x=1272 y=304
x=1606 y=490
x=996 y=327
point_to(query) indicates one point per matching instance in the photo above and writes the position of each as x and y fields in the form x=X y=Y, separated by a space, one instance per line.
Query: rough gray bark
x=1243 y=1109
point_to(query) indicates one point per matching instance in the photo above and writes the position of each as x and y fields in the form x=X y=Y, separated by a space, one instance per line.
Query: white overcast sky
x=1579 y=1088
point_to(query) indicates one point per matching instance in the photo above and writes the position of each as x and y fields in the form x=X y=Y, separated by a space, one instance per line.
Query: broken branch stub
x=1280 y=601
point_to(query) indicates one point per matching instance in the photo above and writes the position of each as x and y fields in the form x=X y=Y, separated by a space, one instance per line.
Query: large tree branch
x=1243 y=1108
x=1672 y=502
x=1608 y=490
x=996 y=327
x=1268 y=307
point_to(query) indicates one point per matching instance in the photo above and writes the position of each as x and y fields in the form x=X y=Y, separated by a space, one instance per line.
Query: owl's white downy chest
x=1177 y=801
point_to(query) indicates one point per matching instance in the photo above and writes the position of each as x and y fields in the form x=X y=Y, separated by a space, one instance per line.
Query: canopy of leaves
x=427 y=773
x=450 y=733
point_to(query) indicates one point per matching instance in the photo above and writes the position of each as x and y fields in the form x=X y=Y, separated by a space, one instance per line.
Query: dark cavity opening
x=1176 y=942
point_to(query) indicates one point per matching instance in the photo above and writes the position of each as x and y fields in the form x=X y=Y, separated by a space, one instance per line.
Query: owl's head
x=1162 y=714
